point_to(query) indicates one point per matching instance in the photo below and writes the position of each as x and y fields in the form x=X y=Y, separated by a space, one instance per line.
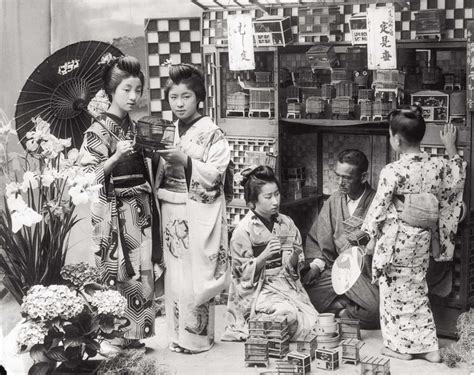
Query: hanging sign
x=358 y=27
x=240 y=34
x=381 y=46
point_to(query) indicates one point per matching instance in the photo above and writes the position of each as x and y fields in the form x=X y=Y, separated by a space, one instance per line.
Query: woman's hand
x=448 y=137
x=124 y=149
x=174 y=155
x=273 y=247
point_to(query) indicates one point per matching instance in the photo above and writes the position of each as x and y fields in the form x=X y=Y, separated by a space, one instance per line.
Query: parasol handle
x=81 y=105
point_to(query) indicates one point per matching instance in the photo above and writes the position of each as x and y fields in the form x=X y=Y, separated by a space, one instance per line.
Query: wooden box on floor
x=307 y=344
x=349 y=328
x=256 y=352
x=327 y=359
x=372 y=365
x=350 y=351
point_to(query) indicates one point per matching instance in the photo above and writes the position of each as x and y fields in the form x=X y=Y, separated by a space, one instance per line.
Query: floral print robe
x=195 y=241
x=402 y=251
x=121 y=231
x=275 y=291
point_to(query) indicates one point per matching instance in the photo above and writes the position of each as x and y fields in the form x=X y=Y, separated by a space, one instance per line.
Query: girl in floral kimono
x=190 y=190
x=122 y=217
x=266 y=259
x=415 y=183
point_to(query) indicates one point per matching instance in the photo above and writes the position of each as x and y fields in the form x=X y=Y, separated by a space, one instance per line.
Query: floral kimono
x=121 y=225
x=194 y=234
x=276 y=290
x=402 y=251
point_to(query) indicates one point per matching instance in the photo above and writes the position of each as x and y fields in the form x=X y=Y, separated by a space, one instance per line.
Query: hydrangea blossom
x=109 y=302
x=31 y=333
x=54 y=301
x=80 y=274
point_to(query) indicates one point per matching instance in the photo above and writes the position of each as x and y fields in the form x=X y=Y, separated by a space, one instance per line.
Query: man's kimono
x=326 y=240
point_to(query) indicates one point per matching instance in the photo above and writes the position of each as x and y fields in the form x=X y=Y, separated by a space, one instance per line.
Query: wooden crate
x=347 y=88
x=238 y=101
x=351 y=350
x=349 y=328
x=327 y=359
x=315 y=104
x=307 y=344
x=343 y=105
x=372 y=365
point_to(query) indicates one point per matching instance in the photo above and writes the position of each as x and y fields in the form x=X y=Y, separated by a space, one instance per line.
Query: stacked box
x=340 y=74
x=315 y=104
x=278 y=338
x=346 y=88
x=430 y=22
x=302 y=361
x=375 y=365
x=350 y=350
x=343 y=105
x=349 y=328
x=381 y=109
x=262 y=101
x=307 y=344
x=327 y=359
x=238 y=101
x=366 y=109
x=256 y=352
x=322 y=56
x=262 y=79
x=328 y=91
x=366 y=94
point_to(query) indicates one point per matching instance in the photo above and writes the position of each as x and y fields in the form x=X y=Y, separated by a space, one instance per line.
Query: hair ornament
x=243 y=176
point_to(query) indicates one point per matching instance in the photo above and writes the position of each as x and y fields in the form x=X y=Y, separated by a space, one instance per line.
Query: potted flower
x=38 y=212
x=65 y=324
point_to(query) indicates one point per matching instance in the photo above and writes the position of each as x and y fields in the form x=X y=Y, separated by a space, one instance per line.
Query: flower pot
x=85 y=368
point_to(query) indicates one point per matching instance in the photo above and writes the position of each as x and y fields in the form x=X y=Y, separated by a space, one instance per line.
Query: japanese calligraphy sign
x=240 y=33
x=381 y=46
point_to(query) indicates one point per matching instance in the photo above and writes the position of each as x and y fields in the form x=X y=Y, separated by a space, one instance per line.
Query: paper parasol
x=60 y=89
x=346 y=269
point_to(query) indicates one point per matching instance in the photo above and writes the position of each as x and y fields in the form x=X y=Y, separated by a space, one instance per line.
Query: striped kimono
x=121 y=227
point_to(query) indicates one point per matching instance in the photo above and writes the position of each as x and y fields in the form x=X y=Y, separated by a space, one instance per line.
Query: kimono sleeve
x=208 y=174
x=94 y=153
x=320 y=241
x=450 y=205
x=293 y=271
x=379 y=209
x=244 y=265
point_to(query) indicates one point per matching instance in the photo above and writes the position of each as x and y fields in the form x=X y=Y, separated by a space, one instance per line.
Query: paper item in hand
x=346 y=270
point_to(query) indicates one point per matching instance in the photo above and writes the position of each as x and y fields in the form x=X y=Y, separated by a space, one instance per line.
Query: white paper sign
x=240 y=33
x=381 y=46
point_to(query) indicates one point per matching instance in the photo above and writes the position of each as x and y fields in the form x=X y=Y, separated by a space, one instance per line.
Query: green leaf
x=37 y=353
x=57 y=354
x=73 y=341
x=107 y=323
x=42 y=368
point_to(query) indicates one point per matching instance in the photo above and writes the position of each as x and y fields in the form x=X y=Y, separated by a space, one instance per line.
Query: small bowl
x=326 y=319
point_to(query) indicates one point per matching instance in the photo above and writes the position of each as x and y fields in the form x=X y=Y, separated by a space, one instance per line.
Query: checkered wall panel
x=329 y=24
x=178 y=40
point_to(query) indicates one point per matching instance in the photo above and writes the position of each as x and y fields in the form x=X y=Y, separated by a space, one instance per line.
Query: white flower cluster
x=50 y=302
x=109 y=302
x=80 y=274
x=31 y=333
x=83 y=188
x=43 y=142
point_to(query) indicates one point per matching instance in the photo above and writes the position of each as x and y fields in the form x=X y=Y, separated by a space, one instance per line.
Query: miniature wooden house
x=349 y=328
x=256 y=352
x=327 y=359
x=307 y=344
x=372 y=365
x=350 y=350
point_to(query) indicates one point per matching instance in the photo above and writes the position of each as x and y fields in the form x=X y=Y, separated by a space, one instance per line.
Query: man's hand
x=311 y=277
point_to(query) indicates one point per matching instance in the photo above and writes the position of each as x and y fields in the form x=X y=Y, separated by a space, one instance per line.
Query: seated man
x=328 y=237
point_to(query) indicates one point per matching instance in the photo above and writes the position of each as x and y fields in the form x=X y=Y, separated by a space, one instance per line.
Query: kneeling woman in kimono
x=266 y=259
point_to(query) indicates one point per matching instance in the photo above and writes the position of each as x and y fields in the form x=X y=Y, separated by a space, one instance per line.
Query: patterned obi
x=129 y=172
x=271 y=263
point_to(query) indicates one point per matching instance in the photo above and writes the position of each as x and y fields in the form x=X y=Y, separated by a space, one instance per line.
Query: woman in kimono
x=122 y=216
x=402 y=242
x=190 y=191
x=266 y=259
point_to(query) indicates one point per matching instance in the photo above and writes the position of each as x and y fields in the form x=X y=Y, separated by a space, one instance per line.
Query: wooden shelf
x=297 y=202
x=297 y=126
x=334 y=123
